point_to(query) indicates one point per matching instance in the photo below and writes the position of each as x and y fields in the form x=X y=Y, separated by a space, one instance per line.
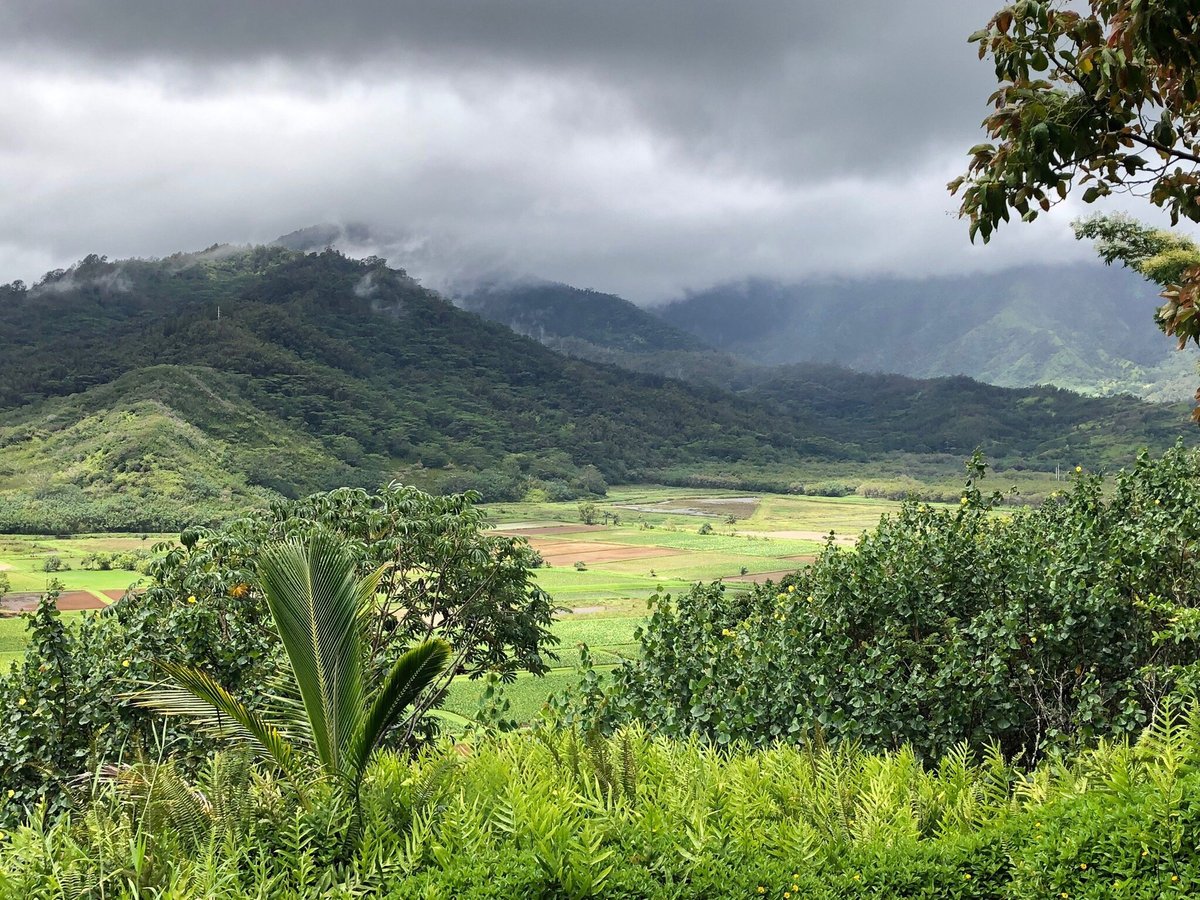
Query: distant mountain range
x=143 y=395
x=1088 y=328
x=1085 y=327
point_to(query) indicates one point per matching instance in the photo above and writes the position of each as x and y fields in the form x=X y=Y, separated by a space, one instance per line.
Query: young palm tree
x=321 y=611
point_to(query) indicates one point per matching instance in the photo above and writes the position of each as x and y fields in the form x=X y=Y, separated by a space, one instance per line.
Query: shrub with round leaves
x=1039 y=627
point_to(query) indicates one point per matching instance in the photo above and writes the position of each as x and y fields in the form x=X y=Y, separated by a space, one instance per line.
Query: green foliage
x=51 y=710
x=572 y=814
x=204 y=610
x=324 y=616
x=1048 y=626
x=147 y=411
x=1106 y=97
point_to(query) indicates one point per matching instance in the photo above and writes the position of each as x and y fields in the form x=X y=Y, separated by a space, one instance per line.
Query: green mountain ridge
x=146 y=394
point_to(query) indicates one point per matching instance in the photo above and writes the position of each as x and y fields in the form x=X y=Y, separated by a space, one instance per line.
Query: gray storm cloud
x=641 y=148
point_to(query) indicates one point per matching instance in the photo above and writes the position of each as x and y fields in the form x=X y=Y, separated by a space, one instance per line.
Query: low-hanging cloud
x=640 y=148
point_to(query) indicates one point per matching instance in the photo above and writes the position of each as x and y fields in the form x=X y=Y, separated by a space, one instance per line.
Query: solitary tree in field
x=1107 y=100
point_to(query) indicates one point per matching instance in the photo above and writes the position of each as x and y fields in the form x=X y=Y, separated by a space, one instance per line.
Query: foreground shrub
x=1055 y=625
x=323 y=615
x=557 y=814
x=64 y=706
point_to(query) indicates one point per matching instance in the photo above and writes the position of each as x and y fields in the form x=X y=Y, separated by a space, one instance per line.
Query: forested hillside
x=1086 y=327
x=571 y=318
x=314 y=370
x=145 y=394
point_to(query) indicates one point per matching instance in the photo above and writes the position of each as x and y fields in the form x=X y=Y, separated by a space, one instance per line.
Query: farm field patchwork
x=600 y=575
x=24 y=558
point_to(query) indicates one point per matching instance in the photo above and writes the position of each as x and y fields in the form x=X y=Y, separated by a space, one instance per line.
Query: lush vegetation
x=563 y=815
x=205 y=607
x=146 y=395
x=241 y=373
x=968 y=703
x=1054 y=625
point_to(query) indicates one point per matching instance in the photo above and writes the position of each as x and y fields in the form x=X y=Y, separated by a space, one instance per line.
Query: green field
x=23 y=560
x=603 y=602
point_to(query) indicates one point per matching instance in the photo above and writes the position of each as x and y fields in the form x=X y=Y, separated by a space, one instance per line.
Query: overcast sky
x=643 y=147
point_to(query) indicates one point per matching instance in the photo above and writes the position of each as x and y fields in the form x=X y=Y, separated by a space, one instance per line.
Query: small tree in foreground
x=321 y=611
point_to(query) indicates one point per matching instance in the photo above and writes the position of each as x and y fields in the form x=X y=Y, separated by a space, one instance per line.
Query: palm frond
x=198 y=696
x=316 y=600
x=412 y=673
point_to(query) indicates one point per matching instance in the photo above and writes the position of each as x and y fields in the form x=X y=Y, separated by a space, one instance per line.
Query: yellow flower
x=1033 y=639
x=125 y=663
x=761 y=889
x=791 y=589
x=963 y=501
x=21 y=702
x=967 y=877
x=1145 y=853
x=857 y=877
x=795 y=887
x=11 y=794
x=192 y=598
x=810 y=598
x=786 y=895
x=1174 y=877
x=1079 y=468
x=1083 y=865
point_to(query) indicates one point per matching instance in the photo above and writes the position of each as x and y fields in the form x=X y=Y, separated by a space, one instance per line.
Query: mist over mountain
x=1085 y=327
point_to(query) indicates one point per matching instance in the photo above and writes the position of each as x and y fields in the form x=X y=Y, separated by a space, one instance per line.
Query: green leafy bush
x=445 y=576
x=565 y=814
x=1060 y=624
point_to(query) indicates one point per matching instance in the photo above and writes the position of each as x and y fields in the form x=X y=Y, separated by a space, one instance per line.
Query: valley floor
x=642 y=540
